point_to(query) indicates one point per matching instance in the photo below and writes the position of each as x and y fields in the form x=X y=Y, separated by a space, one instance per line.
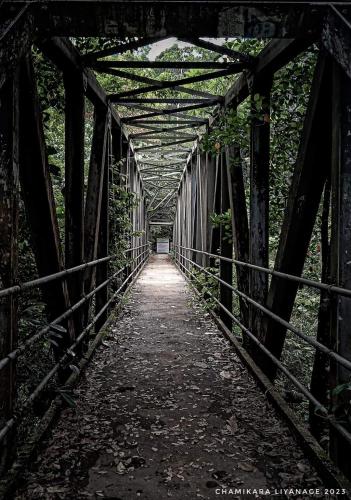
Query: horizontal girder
x=123 y=18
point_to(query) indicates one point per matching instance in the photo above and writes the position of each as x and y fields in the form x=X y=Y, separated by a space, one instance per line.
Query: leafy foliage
x=206 y=285
x=223 y=220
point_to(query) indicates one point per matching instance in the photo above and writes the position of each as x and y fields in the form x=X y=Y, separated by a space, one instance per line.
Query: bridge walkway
x=166 y=410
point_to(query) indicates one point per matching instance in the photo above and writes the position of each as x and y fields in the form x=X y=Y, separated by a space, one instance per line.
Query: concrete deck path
x=166 y=410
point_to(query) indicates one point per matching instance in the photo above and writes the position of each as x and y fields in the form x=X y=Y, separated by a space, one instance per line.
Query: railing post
x=38 y=197
x=202 y=166
x=74 y=187
x=226 y=249
x=216 y=206
x=103 y=243
x=340 y=256
x=319 y=385
x=210 y=195
x=115 y=172
x=200 y=227
x=9 y=192
x=129 y=268
x=188 y=216
x=240 y=226
x=93 y=201
x=259 y=199
x=310 y=173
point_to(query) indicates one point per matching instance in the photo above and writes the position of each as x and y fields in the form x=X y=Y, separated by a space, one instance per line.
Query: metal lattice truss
x=163 y=130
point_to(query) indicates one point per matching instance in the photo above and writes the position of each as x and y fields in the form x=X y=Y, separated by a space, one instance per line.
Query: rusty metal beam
x=91 y=57
x=9 y=210
x=273 y=57
x=171 y=111
x=220 y=49
x=37 y=192
x=74 y=185
x=94 y=191
x=126 y=19
x=311 y=170
x=234 y=66
x=166 y=84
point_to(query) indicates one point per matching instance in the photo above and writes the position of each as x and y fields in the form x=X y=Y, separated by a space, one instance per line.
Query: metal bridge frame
x=70 y=277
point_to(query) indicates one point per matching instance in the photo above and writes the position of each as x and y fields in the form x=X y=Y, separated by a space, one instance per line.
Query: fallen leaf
x=232 y=424
x=245 y=466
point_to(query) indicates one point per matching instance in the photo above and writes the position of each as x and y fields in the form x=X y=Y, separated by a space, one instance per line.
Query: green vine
x=224 y=220
x=233 y=126
x=206 y=285
x=121 y=204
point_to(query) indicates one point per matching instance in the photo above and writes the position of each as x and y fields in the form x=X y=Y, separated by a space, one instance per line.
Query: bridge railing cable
x=290 y=277
x=140 y=257
x=180 y=258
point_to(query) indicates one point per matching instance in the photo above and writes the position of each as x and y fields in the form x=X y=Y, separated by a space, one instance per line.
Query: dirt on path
x=166 y=410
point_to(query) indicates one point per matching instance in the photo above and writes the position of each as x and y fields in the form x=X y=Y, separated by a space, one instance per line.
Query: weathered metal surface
x=340 y=252
x=170 y=111
x=37 y=192
x=9 y=196
x=74 y=185
x=103 y=240
x=94 y=191
x=336 y=36
x=16 y=36
x=167 y=18
x=169 y=65
x=67 y=58
x=240 y=224
x=220 y=49
x=153 y=84
x=305 y=194
x=273 y=57
x=259 y=197
x=226 y=247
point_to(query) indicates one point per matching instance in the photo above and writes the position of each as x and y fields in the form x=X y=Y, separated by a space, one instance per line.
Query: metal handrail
x=309 y=396
x=20 y=349
x=60 y=274
x=317 y=345
x=305 y=281
x=12 y=421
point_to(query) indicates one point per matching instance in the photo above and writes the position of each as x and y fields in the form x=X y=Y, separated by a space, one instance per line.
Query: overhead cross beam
x=166 y=176
x=192 y=121
x=160 y=223
x=165 y=100
x=170 y=111
x=159 y=111
x=164 y=172
x=166 y=84
x=171 y=157
x=165 y=144
x=220 y=49
x=151 y=137
x=164 y=199
x=120 y=49
x=102 y=65
x=154 y=85
x=145 y=162
x=154 y=130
